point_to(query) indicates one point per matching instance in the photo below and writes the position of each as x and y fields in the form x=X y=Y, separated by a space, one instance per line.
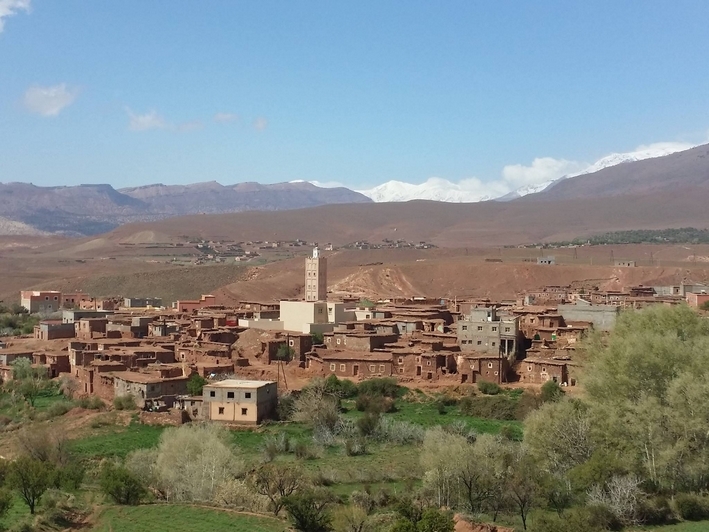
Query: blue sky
x=361 y=92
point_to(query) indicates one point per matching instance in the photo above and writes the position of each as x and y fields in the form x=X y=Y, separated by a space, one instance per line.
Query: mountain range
x=93 y=209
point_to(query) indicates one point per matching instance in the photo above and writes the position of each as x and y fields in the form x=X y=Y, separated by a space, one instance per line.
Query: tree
x=6 y=500
x=434 y=520
x=277 y=481
x=193 y=460
x=352 y=519
x=318 y=338
x=121 y=485
x=285 y=353
x=195 y=384
x=308 y=511
x=31 y=478
x=522 y=487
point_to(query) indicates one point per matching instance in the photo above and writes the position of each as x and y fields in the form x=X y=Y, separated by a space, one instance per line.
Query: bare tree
x=621 y=495
x=277 y=481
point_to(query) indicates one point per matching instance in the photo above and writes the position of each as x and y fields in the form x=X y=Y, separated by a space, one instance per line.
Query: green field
x=686 y=526
x=178 y=518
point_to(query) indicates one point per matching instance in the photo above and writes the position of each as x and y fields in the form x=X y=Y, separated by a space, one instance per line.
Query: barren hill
x=445 y=224
x=686 y=170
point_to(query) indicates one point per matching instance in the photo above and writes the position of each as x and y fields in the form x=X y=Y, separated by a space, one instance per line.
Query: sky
x=358 y=93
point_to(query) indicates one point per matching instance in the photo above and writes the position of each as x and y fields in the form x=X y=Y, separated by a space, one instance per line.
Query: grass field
x=177 y=518
x=117 y=441
x=686 y=526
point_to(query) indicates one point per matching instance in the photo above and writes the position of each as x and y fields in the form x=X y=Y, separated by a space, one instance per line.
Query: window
x=343 y=367
x=496 y=373
x=507 y=329
x=372 y=368
x=244 y=411
x=291 y=343
x=230 y=395
x=465 y=327
x=494 y=329
x=489 y=364
x=46 y=298
x=221 y=410
x=333 y=367
x=480 y=342
x=212 y=393
x=418 y=359
x=428 y=362
x=247 y=395
x=493 y=344
x=56 y=298
x=381 y=368
x=401 y=360
x=401 y=370
x=480 y=327
x=338 y=341
x=319 y=311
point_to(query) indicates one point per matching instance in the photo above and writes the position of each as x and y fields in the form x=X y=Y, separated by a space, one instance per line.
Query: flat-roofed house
x=240 y=401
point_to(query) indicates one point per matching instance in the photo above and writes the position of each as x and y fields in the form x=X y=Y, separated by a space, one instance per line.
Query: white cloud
x=147 y=121
x=225 y=118
x=49 y=101
x=260 y=123
x=541 y=170
x=9 y=8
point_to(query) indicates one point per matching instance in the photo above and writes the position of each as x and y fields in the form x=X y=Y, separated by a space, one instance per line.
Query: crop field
x=177 y=518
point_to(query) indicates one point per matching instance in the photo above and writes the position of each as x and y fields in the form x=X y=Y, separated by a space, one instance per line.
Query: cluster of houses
x=111 y=347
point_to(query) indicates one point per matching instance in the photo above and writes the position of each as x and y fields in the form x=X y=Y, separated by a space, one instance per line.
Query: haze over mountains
x=92 y=209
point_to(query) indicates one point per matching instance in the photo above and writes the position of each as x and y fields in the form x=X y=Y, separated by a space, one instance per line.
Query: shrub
x=275 y=445
x=364 y=500
x=308 y=512
x=195 y=384
x=375 y=404
x=342 y=388
x=551 y=391
x=102 y=420
x=489 y=388
x=355 y=446
x=58 y=409
x=121 y=485
x=386 y=387
x=285 y=408
x=398 y=432
x=305 y=451
x=440 y=407
x=655 y=511
x=461 y=428
x=434 y=520
x=91 y=403
x=692 y=507
x=367 y=424
x=124 y=402
x=489 y=407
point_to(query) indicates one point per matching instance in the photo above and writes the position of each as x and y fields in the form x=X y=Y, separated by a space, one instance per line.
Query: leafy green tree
x=121 y=485
x=31 y=478
x=285 y=353
x=195 y=384
x=277 y=482
x=318 y=338
x=434 y=520
x=308 y=511
x=6 y=500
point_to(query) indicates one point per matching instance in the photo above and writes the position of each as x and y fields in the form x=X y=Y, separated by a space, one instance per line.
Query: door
x=355 y=370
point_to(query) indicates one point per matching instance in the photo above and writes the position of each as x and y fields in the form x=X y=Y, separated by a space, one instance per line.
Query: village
x=248 y=354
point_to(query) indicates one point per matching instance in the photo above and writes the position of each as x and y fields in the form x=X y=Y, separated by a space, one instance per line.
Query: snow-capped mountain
x=474 y=190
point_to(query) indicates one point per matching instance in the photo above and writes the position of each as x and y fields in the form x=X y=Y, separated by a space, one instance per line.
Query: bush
x=692 y=507
x=121 y=485
x=440 y=407
x=375 y=404
x=342 y=388
x=367 y=424
x=91 y=403
x=398 y=432
x=58 y=409
x=489 y=388
x=489 y=407
x=124 y=402
x=275 y=445
x=195 y=384
x=434 y=520
x=355 y=446
x=551 y=391
x=656 y=511
x=285 y=408
x=305 y=451
x=307 y=512
x=387 y=387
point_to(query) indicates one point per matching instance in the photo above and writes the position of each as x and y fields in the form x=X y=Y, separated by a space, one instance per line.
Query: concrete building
x=37 y=301
x=240 y=401
x=546 y=260
x=603 y=317
x=315 y=277
x=53 y=329
x=142 y=302
x=492 y=334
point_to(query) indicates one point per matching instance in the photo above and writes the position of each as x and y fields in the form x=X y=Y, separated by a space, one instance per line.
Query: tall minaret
x=315 y=277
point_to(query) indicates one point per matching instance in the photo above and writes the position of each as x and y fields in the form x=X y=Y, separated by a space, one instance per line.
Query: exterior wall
x=192 y=305
x=539 y=372
x=265 y=325
x=546 y=260
x=489 y=336
x=249 y=405
x=491 y=369
x=357 y=368
x=296 y=315
x=53 y=331
x=603 y=317
x=142 y=302
x=149 y=390
x=625 y=263
x=697 y=300
x=337 y=313
x=38 y=301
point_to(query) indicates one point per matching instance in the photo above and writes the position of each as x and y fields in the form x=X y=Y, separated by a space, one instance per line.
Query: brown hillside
x=445 y=224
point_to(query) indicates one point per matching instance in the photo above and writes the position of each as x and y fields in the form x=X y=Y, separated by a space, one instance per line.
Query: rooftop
x=238 y=383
